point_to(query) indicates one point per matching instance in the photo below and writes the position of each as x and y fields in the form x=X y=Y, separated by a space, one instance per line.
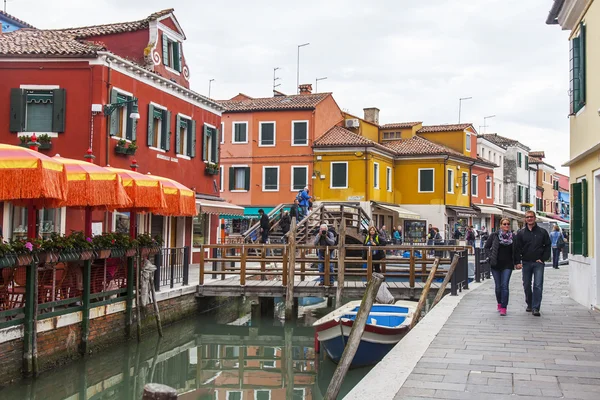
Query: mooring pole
x=289 y=293
x=447 y=278
x=341 y=262
x=424 y=293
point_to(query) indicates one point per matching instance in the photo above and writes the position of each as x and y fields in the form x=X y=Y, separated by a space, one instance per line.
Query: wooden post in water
x=354 y=339
x=341 y=261
x=156 y=391
x=424 y=293
x=447 y=278
x=288 y=367
x=289 y=293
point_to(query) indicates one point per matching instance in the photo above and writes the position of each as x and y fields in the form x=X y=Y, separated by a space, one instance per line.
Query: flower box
x=120 y=150
x=86 y=255
x=116 y=253
x=130 y=151
x=45 y=146
x=8 y=260
x=102 y=254
x=130 y=252
x=211 y=170
x=24 y=259
x=69 y=255
x=149 y=251
x=48 y=257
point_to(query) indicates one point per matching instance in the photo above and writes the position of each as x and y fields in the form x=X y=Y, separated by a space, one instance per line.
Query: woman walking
x=372 y=239
x=558 y=242
x=501 y=258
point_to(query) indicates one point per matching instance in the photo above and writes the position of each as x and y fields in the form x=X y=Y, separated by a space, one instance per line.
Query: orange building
x=266 y=146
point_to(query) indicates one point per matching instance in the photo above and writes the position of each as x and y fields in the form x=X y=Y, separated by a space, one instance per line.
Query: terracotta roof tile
x=485 y=163
x=417 y=145
x=293 y=102
x=444 y=128
x=400 y=125
x=33 y=42
x=15 y=19
x=339 y=137
x=502 y=141
x=534 y=160
x=537 y=154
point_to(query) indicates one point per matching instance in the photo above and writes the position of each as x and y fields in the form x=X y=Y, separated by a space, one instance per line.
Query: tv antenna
x=275 y=78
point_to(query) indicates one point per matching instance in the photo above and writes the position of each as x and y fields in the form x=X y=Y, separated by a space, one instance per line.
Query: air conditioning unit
x=352 y=123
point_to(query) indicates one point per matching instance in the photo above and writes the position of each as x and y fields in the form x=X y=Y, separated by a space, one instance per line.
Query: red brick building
x=60 y=83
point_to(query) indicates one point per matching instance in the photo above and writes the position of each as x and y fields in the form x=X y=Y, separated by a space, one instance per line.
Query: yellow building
x=582 y=19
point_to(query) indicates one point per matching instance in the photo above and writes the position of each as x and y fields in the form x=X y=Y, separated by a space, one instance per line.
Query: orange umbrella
x=31 y=178
x=91 y=185
x=181 y=201
x=145 y=191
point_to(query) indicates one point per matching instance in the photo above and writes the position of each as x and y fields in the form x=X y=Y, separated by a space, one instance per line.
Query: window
x=171 y=53
x=388 y=179
x=520 y=194
x=339 y=175
x=469 y=142
x=392 y=135
x=269 y=353
x=40 y=111
x=49 y=221
x=222 y=133
x=465 y=183
x=474 y=184
x=239 y=178
x=519 y=160
x=121 y=125
x=240 y=132
x=299 y=178
x=426 y=180
x=376 y=175
x=237 y=395
x=266 y=134
x=299 y=133
x=579 y=218
x=270 y=179
x=577 y=73
x=159 y=127
x=527 y=162
x=450 y=182
x=221 y=178
x=500 y=161
x=200 y=229
x=185 y=136
x=299 y=394
x=488 y=188
x=262 y=394
x=544 y=176
x=210 y=144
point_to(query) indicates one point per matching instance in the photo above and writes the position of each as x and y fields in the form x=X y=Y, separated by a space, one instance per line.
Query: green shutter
x=204 y=143
x=576 y=219
x=151 y=125
x=177 y=138
x=527 y=162
x=58 y=110
x=192 y=139
x=519 y=163
x=247 y=178
x=176 y=56
x=17 y=110
x=582 y=41
x=217 y=145
x=574 y=75
x=114 y=120
x=584 y=218
x=165 y=50
x=165 y=140
x=130 y=122
x=231 y=178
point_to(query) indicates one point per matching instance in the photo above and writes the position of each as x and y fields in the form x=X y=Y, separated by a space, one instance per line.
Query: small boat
x=386 y=325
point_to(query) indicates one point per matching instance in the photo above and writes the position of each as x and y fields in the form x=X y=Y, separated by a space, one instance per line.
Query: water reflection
x=203 y=360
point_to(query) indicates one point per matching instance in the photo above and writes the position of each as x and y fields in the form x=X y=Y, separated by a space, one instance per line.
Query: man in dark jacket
x=265 y=227
x=325 y=237
x=285 y=223
x=296 y=211
x=532 y=248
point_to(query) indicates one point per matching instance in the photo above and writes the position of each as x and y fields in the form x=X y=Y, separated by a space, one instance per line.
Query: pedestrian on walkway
x=532 y=247
x=500 y=254
x=325 y=237
x=470 y=237
x=372 y=239
x=484 y=235
x=265 y=226
x=285 y=224
x=305 y=201
x=558 y=242
x=296 y=211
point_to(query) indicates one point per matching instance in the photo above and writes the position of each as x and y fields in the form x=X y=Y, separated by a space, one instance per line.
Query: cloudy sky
x=411 y=59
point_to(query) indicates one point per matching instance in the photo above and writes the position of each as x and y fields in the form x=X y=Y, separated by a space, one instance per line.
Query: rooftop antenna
x=275 y=78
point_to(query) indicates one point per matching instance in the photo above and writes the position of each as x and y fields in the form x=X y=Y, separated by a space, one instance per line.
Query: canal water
x=220 y=355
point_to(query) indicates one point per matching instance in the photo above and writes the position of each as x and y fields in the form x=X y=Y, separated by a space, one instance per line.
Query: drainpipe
x=108 y=87
x=367 y=197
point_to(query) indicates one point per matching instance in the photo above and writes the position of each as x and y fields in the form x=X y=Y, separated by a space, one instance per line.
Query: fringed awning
x=31 y=178
x=91 y=185
x=145 y=191
x=181 y=201
x=218 y=208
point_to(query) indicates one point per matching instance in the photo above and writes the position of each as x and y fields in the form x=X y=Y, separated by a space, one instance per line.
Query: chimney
x=305 y=88
x=372 y=115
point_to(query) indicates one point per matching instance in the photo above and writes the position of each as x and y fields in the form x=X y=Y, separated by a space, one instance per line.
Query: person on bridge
x=325 y=238
x=265 y=227
x=296 y=211
x=305 y=201
x=532 y=248
x=372 y=239
x=285 y=224
x=500 y=254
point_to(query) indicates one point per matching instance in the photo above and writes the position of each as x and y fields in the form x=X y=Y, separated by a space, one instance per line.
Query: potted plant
x=47 y=249
x=24 y=251
x=102 y=244
x=132 y=148
x=7 y=256
x=24 y=140
x=120 y=147
x=45 y=141
x=149 y=245
x=83 y=245
x=212 y=169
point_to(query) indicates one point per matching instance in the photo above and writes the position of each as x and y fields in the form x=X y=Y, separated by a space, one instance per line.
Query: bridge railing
x=272 y=262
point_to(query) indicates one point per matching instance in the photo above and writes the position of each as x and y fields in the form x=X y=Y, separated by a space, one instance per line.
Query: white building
x=494 y=153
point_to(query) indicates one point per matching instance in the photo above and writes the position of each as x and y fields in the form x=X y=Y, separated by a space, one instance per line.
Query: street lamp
x=135 y=115
x=317 y=82
x=298 y=68
x=209 y=85
x=485 y=123
x=460 y=105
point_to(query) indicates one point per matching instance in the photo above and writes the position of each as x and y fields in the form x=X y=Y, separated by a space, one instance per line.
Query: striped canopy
x=145 y=191
x=181 y=201
x=31 y=178
x=91 y=185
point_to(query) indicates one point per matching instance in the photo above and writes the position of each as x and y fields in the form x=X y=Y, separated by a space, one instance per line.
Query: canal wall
x=59 y=338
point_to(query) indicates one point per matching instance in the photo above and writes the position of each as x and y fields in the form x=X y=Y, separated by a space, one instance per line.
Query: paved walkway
x=480 y=355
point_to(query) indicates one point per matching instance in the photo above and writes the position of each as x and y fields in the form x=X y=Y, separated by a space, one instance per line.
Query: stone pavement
x=480 y=355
